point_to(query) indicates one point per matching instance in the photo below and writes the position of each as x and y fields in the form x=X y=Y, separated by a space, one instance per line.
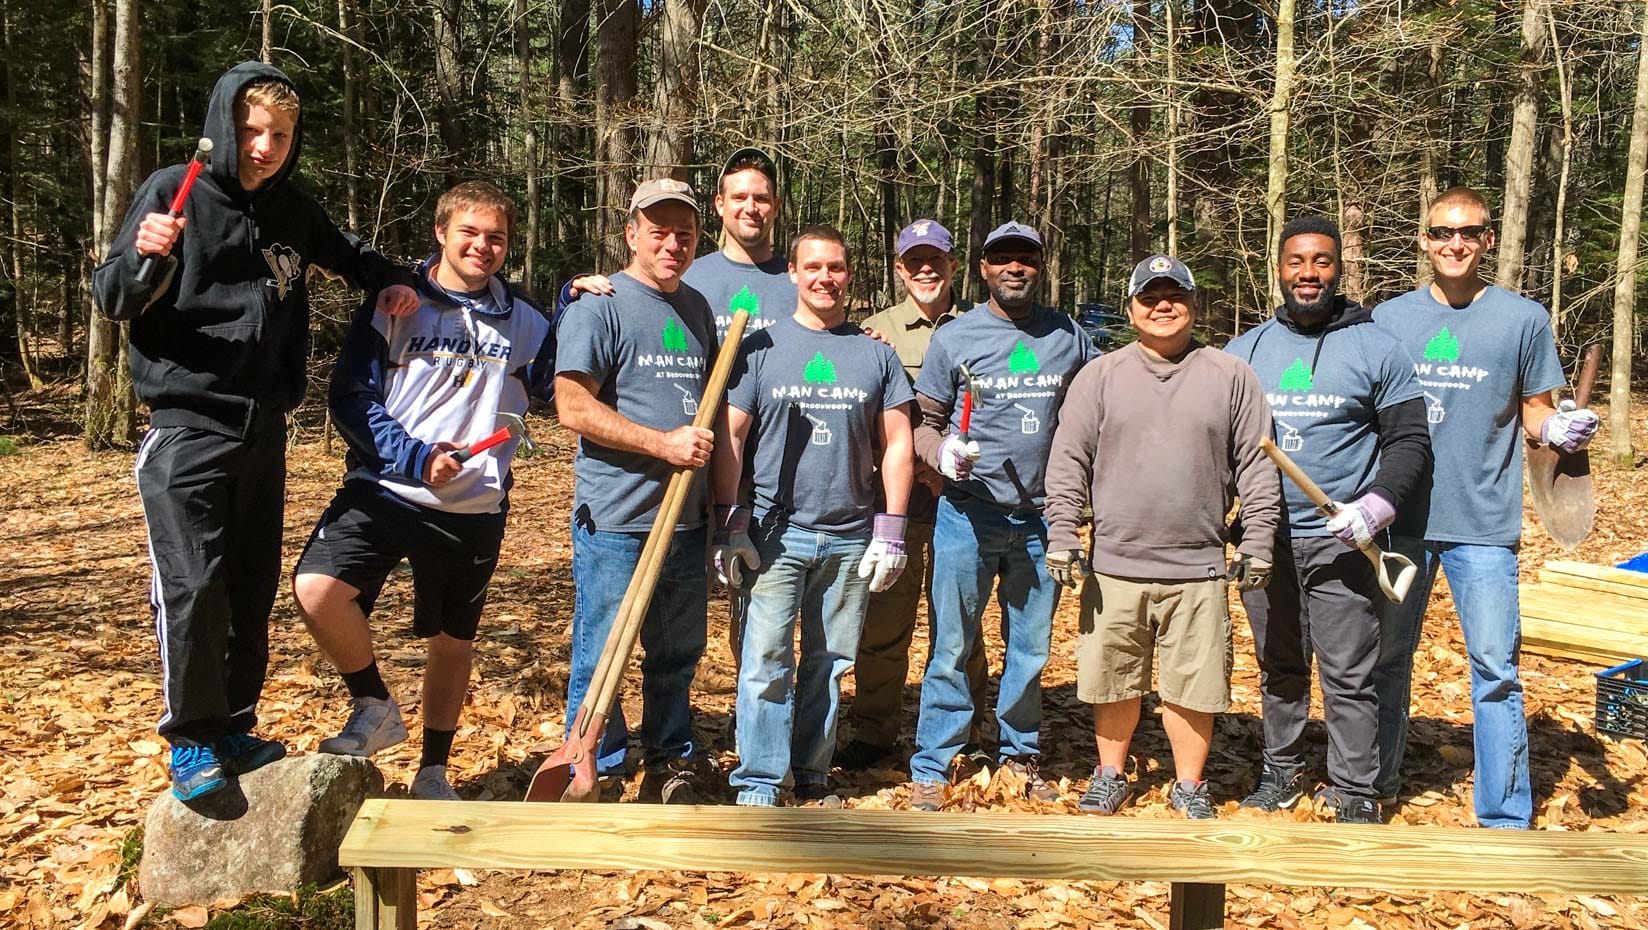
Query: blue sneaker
x=243 y=752
x=195 y=772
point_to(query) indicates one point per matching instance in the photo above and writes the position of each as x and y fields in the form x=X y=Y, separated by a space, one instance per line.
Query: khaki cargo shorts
x=1126 y=621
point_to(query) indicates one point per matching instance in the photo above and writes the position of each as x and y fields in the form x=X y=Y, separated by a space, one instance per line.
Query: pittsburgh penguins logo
x=285 y=264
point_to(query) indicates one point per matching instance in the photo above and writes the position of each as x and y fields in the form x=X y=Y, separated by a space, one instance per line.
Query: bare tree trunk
x=1276 y=181
x=529 y=150
x=22 y=306
x=1428 y=187
x=109 y=406
x=453 y=110
x=1172 y=127
x=1519 y=155
x=1625 y=270
x=670 y=144
x=351 y=91
x=984 y=148
x=1138 y=173
x=572 y=70
x=1562 y=182
x=267 y=52
x=615 y=89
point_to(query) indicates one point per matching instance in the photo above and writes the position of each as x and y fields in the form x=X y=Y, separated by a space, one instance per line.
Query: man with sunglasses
x=1487 y=362
x=926 y=266
x=1020 y=357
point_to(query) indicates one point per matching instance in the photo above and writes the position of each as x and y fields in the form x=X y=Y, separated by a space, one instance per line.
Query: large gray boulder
x=276 y=829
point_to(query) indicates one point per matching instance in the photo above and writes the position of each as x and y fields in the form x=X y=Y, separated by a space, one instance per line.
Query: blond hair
x=474 y=195
x=1462 y=197
x=271 y=93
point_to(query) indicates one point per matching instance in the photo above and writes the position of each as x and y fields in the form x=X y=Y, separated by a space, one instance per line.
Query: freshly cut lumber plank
x=1598 y=618
x=1591 y=638
x=1600 y=573
x=1599 y=660
x=496 y=834
x=1577 y=583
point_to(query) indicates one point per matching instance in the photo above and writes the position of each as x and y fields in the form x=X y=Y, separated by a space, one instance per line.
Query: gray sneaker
x=1191 y=798
x=374 y=725
x=1109 y=790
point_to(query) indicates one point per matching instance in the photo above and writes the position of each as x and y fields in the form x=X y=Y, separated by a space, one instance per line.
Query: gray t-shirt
x=1475 y=366
x=765 y=290
x=1325 y=391
x=1022 y=368
x=650 y=352
x=817 y=397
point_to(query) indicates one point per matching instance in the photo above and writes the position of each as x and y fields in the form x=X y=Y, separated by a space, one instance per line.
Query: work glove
x=1570 y=428
x=1068 y=567
x=1249 y=573
x=884 y=561
x=956 y=458
x=732 y=550
x=1359 y=521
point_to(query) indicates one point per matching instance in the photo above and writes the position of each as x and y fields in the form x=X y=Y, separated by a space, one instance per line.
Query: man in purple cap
x=1017 y=358
x=926 y=266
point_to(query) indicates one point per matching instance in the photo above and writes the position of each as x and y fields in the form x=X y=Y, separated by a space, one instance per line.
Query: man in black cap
x=1165 y=418
x=1016 y=358
x=927 y=268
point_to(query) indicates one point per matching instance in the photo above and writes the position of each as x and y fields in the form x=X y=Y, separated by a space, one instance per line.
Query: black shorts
x=363 y=535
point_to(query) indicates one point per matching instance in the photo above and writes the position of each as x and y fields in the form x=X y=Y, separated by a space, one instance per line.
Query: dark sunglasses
x=1444 y=233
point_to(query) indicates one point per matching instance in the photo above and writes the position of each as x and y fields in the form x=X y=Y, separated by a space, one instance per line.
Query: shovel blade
x=568 y=774
x=1562 y=493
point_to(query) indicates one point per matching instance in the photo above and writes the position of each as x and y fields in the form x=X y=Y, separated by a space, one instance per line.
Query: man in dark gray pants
x=1348 y=411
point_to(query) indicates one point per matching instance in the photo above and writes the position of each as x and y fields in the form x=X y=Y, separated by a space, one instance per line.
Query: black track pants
x=213 y=505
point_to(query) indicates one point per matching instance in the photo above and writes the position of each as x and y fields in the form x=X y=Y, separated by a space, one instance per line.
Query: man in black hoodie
x=219 y=351
x=1348 y=411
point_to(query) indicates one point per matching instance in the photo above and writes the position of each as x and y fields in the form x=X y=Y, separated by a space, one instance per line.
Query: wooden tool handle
x=1295 y=473
x=638 y=596
x=1587 y=375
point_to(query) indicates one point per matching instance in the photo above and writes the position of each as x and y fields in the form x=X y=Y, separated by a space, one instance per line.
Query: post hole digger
x=1396 y=589
x=568 y=773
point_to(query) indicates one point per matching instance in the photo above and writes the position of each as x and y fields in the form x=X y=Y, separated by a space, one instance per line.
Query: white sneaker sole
x=392 y=734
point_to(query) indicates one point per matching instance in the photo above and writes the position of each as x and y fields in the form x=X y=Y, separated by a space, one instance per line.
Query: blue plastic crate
x=1622 y=700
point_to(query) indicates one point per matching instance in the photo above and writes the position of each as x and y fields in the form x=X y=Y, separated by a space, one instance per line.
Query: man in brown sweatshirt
x=1159 y=437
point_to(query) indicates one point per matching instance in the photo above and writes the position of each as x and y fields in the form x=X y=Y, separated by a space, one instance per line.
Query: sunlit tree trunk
x=1625 y=270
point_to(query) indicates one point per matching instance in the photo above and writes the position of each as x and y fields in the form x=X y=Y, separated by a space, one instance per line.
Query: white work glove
x=884 y=561
x=1068 y=567
x=1359 y=521
x=732 y=550
x=956 y=458
x=1570 y=428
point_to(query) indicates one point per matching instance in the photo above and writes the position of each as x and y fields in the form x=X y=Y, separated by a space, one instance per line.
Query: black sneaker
x=858 y=756
x=1191 y=798
x=1108 y=792
x=1278 y=789
x=240 y=753
x=1357 y=810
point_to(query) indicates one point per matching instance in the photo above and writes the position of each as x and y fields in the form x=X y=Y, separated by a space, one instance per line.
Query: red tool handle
x=966 y=414
x=464 y=455
x=146 y=271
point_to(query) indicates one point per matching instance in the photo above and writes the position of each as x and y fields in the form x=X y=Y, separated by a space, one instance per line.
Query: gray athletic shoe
x=1109 y=790
x=374 y=725
x=1191 y=798
x=430 y=784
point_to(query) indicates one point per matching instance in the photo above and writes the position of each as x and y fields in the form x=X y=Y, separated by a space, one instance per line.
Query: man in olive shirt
x=926 y=266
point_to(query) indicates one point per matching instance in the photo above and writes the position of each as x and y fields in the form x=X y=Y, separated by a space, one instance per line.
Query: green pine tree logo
x=675 y=338
x=1296 y=378
x=1023 y=361
x=745 y=299
x=818 y=371
x=1443 y=347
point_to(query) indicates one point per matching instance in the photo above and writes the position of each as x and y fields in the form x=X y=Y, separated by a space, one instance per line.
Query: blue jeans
x=1483 y=579
x=672 y=635
x=786 y=716
x=974 y=545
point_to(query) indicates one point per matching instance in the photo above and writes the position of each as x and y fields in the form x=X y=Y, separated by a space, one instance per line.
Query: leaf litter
x=79 y=694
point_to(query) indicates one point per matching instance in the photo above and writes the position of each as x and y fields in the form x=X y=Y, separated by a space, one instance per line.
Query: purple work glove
x=884 y=561
x=732 y=549
x=1359 y=521
x=1570 y=428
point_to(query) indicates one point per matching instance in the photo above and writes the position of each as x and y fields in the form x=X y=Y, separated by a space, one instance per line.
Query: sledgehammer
x=1405 y=569
x=513 y=426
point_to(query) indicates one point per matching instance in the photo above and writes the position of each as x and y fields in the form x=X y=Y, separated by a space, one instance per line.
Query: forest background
x=1118 y=128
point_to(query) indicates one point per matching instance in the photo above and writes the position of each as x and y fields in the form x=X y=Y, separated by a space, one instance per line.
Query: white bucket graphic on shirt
x=1292 y=441
x=689 y=403
x=1434 y=411
x=1030 y=424
x=821 y=431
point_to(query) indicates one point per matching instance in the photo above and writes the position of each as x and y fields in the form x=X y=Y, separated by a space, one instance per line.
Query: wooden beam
x=1577 y=583
x=1601 y=618
x=508 y=835
x=1637 y=580
x=386 y=899
x=1603 y=642
x=1197 y=907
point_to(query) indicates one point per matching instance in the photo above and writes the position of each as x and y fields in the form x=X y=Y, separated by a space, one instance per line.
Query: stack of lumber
x=1592 y=613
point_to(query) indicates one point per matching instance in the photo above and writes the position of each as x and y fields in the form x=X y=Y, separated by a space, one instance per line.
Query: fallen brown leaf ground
x=79 y=696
